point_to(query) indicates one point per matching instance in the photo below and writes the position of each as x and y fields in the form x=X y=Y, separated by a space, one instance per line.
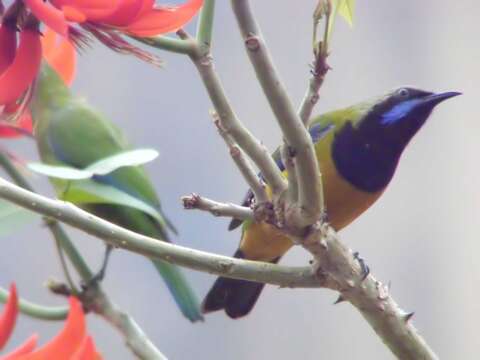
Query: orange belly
x=344 y=203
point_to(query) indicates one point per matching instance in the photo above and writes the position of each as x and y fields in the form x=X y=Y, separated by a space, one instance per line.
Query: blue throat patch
x=399 y=111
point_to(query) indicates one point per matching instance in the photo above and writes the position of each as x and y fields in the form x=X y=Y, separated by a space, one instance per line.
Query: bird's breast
x=343 y=201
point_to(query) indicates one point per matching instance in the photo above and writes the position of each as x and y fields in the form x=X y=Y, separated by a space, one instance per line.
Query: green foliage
x=101 y=167
x=92 y=192
x=79 y=189
x=61 y=172
x=346 y=9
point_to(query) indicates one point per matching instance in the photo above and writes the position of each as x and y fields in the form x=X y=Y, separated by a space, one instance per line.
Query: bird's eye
x=404 y=93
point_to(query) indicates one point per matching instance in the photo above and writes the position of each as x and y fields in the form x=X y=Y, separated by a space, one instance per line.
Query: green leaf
x=90 y=192
x=62 y=172
x=346 y=9
x=127 y=158
x=12 y=217
x=101 y=167
x=343 y=7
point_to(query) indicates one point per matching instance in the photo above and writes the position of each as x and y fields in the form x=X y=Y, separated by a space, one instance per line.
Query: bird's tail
x=183 y=294
x=236 y=297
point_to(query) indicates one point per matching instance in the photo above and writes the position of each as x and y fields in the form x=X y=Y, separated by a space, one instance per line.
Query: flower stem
x=37 y=311
x=166 y=43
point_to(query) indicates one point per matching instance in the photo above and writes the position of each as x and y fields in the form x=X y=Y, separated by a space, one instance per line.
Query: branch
x=319 y=65
x=335 y=269
x=195 y=201
x=205 y=23
x=202 y=59
x=242 y=162
x=284 y=276
x=310 y=194
x=371 y=298
x=319 y=70
x=166 y=43
x=134 y=337
x=36 y=311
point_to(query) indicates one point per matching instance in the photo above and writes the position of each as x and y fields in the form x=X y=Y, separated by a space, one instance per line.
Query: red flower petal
x=25 y=122
x=8 y=46
x=67 y=341
x=97 y=15
x=146 y=7
x=125 y=13
x=73 y=14
x=19 y=75
x=49 y=40
x=26 y=348
x=93 y=4
x=9 y=315
x=61 y=56
x=22 y=128
x=83 y=10
x=86 y=351
x=49 y=15
x=160 y=21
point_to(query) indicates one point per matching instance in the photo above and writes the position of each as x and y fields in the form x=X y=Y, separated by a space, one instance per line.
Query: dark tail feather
x=236 y=297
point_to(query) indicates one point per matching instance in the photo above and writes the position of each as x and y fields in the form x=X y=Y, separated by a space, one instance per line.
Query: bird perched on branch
x=358 y=149
x=71 y=133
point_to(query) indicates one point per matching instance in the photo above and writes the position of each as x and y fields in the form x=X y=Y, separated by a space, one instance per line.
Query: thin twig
x=119 y=237
x=216 y=208
x=166 y=43
x=310 y=194
x=318 y=71
x=37 y=311
x=242 y=162
x=319 y=66
x=205 y=23
x=232 y=125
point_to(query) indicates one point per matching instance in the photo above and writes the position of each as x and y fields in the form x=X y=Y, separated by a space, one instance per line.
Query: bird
x=358 y=149
x=69 y=132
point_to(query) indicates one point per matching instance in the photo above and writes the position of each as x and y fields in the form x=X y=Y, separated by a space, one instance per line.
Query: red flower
x=102 y=18
x=18 y=68
x=22 y=127
x=72 y=343
x=135 y=17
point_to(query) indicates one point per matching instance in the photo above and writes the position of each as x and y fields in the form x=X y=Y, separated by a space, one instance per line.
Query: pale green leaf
x=62 y=172
x=91 y=192
x=101 y=167
x=346 y=9
x=12 y=217
x=127 y=158
x=343 y=7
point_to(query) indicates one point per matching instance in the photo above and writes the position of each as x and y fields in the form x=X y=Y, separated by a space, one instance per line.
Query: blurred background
x=422 y=235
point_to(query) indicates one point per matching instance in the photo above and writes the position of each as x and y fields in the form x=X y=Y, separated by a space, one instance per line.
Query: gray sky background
x=422 y=235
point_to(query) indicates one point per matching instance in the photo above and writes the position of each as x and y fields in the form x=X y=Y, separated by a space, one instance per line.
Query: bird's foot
x=100 y=275
x=264 y=212
x=363 y=266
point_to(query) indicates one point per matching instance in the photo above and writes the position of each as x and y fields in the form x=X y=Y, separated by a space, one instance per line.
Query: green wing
x=70 y=132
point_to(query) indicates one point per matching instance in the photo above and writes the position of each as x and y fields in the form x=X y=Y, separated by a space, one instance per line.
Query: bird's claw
x=100 y=275
x=363 y=266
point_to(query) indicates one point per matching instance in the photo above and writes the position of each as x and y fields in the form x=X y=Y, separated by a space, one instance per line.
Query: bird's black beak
x=435 y=99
